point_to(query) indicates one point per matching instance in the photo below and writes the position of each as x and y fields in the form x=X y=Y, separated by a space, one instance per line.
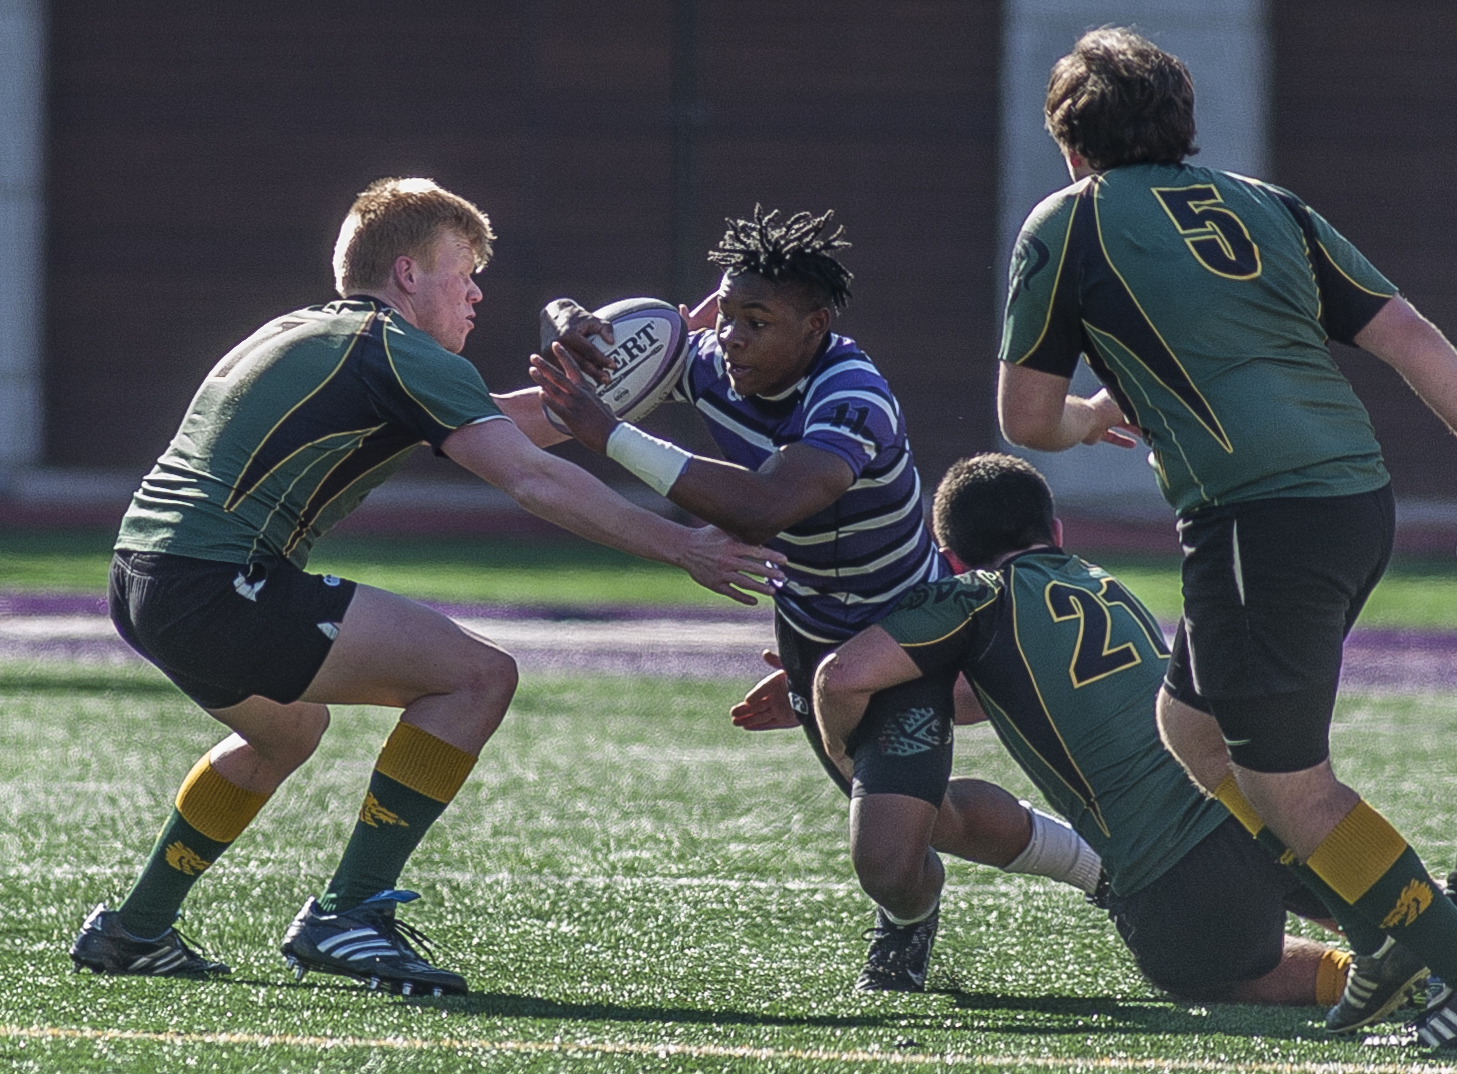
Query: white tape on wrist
x=655 y=462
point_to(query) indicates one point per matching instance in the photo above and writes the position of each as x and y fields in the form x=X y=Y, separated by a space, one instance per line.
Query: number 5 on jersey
x=1215 y=236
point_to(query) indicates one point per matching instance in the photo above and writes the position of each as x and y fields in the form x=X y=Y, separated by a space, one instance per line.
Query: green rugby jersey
x=294 y=427
x=1204 y=301
x=1067 y=665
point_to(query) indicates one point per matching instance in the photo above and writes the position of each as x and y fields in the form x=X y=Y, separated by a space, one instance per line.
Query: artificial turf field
x=628 y=882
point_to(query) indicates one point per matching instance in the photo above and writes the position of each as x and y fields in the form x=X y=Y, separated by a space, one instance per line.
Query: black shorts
x=224 y=632
x=1213 y=920
x=1271 y=588
x=904 y=743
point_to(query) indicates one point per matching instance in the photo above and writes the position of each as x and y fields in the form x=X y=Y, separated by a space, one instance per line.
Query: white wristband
x=655 y=462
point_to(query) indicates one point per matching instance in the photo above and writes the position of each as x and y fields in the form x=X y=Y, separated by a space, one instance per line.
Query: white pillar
x=1226 y=44
x=22 y=213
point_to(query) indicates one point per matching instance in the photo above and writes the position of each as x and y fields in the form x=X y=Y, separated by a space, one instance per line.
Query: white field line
x=713 y=1051
x=56 y=628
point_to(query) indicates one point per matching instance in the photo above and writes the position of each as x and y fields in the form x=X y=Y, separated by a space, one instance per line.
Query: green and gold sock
x=1364 y=937
x=1330 y=977
x=208 y=815
x=1370 y=866
x=414 y=779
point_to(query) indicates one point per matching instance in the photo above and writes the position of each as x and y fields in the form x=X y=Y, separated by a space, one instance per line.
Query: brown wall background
x=202 y=156
x=1364 y=131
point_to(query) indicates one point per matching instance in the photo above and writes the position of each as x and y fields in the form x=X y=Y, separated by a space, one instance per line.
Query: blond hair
x=394 y=218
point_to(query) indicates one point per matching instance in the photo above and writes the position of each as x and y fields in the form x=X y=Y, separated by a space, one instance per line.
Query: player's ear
x=819 y=321
x=404 y=272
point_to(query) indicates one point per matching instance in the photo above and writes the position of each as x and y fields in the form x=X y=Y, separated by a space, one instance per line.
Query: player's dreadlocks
x=796 y=252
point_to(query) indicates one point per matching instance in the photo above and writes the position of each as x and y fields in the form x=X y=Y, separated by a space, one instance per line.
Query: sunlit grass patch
x=629 y=884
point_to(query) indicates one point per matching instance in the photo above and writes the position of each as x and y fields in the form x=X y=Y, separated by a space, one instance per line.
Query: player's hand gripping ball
x=652 y=346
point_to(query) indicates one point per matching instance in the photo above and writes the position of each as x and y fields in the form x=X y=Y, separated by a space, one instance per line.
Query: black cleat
x=1376 y=985
x=1437 y=1025
x=103 y=946
x=368 y=944
x=899 y=954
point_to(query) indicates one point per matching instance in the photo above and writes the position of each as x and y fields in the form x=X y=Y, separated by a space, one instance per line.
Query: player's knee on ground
x=1214 y=918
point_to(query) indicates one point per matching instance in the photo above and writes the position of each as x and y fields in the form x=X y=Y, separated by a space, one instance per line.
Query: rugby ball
x=650 y=349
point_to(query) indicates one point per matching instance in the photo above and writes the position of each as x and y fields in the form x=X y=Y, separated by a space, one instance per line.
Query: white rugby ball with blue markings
x=651 y=346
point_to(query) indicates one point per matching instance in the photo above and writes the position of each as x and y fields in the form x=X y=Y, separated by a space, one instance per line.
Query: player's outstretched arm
x=870 y=661
x=524 y=408
x=1037 y=412
x=570 y=497
x=1416 y=348
x=795 y=482
x=563 y=320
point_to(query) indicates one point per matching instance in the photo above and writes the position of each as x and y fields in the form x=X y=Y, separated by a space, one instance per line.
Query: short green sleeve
x=939 y=624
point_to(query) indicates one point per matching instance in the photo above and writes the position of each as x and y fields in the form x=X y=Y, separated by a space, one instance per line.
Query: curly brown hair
x=1117 y=98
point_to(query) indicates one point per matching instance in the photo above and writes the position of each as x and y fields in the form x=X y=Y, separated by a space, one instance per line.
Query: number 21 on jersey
x=1097 y=654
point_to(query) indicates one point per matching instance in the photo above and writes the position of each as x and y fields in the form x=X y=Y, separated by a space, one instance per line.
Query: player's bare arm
x=1036 y=411
x=1416 y=348
x=524 y=408
x=570 y=497
x=968 y=705
x=794 y=483
x=870 y=661
x=766 y=706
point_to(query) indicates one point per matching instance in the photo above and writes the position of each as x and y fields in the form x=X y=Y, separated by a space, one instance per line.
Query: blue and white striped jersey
x=850 y=563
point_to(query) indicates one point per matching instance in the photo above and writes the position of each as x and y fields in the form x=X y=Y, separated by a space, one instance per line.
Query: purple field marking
x=21 y=604
x=1375 y=659
x=18 y=604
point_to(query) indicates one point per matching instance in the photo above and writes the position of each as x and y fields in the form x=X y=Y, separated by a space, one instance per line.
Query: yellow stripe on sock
x=1235 y=801
x=1330 y=977
x=424 y=763
x=217 y=808
x=1357 y=853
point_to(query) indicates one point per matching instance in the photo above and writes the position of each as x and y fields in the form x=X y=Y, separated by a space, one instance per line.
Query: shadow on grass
x=507 y=1005
x=1099 y=1015
x=1012 y=1015
x=512 y=1005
